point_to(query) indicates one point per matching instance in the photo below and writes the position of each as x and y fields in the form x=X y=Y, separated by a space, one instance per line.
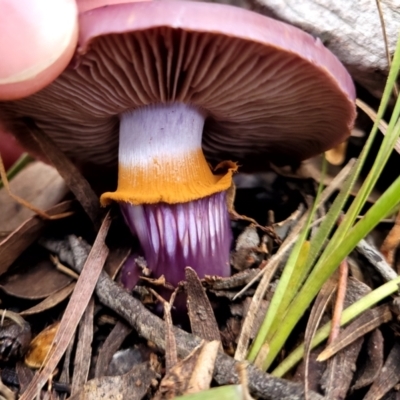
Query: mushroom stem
x=168 y=194
x=174 y=236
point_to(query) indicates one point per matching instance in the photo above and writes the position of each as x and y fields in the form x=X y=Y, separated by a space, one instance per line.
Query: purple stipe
x=174 y=236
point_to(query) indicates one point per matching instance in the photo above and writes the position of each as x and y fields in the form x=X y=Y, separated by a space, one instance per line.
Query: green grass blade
x=348 y=314
x=21 y=163
x=386 y=203
x=287 y=286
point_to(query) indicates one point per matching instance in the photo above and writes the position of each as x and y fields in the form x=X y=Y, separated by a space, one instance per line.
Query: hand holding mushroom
x=179 y=85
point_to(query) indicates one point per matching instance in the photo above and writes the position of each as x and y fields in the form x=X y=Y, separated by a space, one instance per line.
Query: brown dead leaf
x=315 y=370
x=203 y=370
x=201 y=314
x=388 y=377
x=35 y=281
x=16 y=242
x=131 y=386
x=370 y=369
x=39 y=184
x=50 y=302
x=40 y=346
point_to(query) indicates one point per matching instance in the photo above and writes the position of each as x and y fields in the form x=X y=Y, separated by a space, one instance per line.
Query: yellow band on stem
x=170 y=180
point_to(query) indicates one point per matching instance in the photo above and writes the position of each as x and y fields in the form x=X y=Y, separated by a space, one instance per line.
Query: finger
x=37 y=40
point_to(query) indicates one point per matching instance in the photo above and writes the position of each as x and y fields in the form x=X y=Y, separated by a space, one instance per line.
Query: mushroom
x=170 y=79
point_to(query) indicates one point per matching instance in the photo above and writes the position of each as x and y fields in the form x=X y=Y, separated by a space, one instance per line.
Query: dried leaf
x=51 y=301
x=35 y=282
x=40 y=346
x=201 y=314
x=370 y=369
x=388 y=377
x=39 y=184
x=317 y=312
x=203 y=370
x=14 y=244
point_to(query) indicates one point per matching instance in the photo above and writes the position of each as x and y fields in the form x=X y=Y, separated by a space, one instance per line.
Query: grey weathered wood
x=349 y=28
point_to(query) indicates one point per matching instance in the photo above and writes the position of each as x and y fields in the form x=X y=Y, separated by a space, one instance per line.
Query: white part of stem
x=159 y=131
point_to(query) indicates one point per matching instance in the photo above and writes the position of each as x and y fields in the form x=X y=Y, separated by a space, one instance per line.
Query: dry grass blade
x=83 y=349
x=201 y=314
x=73 y=178
x=372 y=114
x=318 y=309
x=385 y=39
x=171 y=356
x=76 y=306
x=367 y=322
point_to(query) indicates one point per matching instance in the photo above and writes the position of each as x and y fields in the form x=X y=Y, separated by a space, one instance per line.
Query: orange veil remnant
x=171 y=181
